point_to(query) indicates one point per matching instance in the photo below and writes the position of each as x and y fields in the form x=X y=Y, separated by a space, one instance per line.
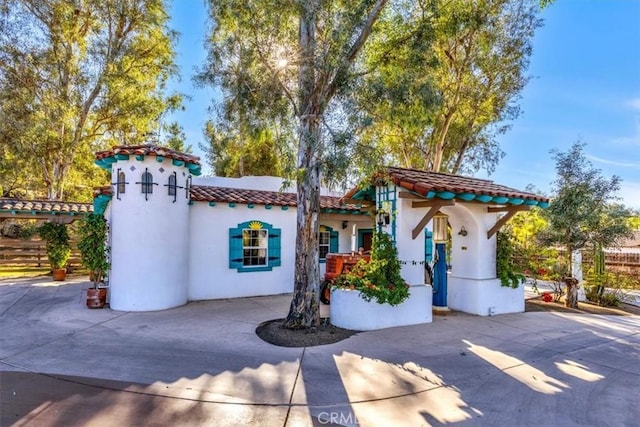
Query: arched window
x=121 y=182
x=172 y=185
x=147 y=183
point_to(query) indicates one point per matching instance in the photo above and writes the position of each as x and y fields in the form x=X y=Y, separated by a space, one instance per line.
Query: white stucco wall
x=409 y=249
x=350 y=311
x=210 y=275
x=484 y=297
x=149 y=241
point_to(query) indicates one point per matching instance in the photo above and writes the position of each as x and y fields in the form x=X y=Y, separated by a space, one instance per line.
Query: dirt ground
x=273 y=331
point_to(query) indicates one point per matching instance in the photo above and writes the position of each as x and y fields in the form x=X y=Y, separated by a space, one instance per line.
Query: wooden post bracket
x=435 y=206
x=510 y=212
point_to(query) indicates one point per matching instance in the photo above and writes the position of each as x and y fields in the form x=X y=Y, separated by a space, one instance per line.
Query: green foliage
x=56 y=236
x=175 y=138
x=443 y=79
x=256 y=153
x=582 y=211
x=505 y=268
x=92 y=244
x=76 y=77
x=380 y=277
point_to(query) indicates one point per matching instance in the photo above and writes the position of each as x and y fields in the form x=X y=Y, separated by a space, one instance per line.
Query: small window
x=327 y=242
x=254 y=247
x=147 y=183
x=172 y=185
x=121 y=182
x=323 y=242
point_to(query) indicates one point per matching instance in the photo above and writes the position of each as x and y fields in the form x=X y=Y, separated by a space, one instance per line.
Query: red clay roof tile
x=148 y=149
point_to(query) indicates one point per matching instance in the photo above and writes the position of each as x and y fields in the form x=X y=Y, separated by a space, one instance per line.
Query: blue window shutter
x=274 y=247
x=428 y=245
x=235 y=248
x=333 y=242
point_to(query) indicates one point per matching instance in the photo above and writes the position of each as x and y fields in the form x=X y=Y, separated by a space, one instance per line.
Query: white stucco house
x=177 y=237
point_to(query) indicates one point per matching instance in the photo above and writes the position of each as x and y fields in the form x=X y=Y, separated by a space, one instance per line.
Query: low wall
x=350 y=311
x=484 y=297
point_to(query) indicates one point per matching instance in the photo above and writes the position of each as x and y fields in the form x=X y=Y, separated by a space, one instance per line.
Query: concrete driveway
x=62 y=364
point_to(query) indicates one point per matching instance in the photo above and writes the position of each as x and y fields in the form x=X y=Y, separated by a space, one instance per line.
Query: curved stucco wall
x=149 y=242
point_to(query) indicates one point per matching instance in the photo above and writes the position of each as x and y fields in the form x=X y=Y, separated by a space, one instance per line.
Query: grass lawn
x=8 y=271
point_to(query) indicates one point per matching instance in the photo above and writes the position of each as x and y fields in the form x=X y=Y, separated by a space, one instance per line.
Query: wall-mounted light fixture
x=344 y=224
x=382 y=217
x=440 y=228
x=463 y=231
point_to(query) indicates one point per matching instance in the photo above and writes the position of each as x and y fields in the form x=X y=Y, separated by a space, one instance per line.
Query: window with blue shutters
x=254 y=246
x=327 y=242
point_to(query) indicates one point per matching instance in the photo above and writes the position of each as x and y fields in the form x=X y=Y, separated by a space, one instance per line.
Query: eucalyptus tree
x=439 y=93
x=291 y=58
x=76 y=76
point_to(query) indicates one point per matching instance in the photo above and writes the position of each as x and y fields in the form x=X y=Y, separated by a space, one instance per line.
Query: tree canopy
x=584 y=209
x=76 y=77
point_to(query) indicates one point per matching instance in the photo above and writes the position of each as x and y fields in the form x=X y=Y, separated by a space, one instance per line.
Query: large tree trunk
x=305 y=311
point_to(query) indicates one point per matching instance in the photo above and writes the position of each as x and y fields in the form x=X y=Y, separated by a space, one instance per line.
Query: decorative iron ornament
x=119 y=182
x=187 y=189
x=147 y=185
x=173 y=187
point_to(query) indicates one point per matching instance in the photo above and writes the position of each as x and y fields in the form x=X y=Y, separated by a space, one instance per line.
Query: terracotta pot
x=96 y=298
x=59 y=274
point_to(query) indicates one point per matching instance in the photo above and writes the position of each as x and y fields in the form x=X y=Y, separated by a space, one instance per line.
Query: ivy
x=505 y=268
x=379 y=278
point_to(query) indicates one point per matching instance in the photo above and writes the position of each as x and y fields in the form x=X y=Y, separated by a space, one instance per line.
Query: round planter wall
x=350 y=311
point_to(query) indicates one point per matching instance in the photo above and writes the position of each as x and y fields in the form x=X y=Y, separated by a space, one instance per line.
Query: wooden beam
x=492 y=209
x=435 y=206
x=435 y=202
x=357 y=202
x=409 y=195
x=510 y=212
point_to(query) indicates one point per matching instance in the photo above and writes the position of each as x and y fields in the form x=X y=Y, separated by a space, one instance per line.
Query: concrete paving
x=62 y=364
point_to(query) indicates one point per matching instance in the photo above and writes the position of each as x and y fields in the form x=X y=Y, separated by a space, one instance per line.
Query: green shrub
x=92 y=235
x=380 y=277
x=56 y=237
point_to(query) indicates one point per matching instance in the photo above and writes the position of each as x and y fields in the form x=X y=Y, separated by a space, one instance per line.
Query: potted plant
x=92 y=244
x=56 y=236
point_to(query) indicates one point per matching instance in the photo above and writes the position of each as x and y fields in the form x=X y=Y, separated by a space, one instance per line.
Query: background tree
x=583 y=210
x=76 y=77
x=440 y=92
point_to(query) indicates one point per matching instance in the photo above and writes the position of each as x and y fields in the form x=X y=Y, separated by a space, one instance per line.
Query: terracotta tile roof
x=203 y=193
x=146 y=150
x=44 y=207
x=427 y=183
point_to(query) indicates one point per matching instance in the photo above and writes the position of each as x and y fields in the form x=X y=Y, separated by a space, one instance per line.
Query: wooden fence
x=30 y=253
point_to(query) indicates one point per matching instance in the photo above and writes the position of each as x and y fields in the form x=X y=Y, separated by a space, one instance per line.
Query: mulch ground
x=274 y=332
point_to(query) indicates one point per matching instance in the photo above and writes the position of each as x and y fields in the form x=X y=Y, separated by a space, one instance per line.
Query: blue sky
x=585 y=86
